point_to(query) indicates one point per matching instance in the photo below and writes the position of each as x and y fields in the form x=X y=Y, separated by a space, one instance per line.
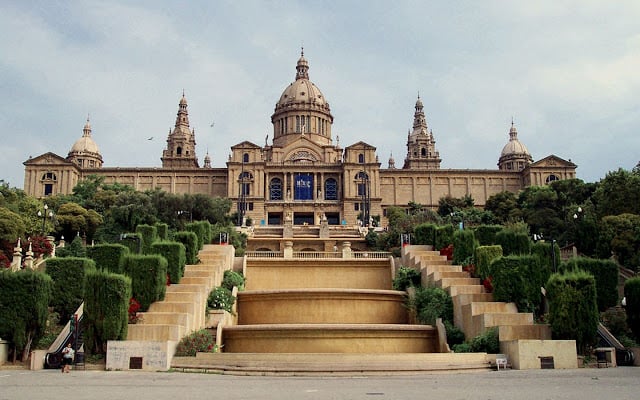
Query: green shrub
x=406 y=277
x=430 y=304
x=484 y=255
x=68 y=283
x=24 y=300
x=486 y=234
x=201 y=341
x=163 y=230
x=425 y=234
x=149 y=235
x=108 y=256
x=518 y=279
x=444 y=236
x=487 y=342
x=455 y=335
x=106 y=309
x=606 y=274
x=543 y=251
x=632 y=297
x=148 y=278
x=464 y=244
x=573 y=310
x=190 y=242
x=220 y=298
x=199 y=230
x=513 y=243
x=231 y=279
x=133 y=241
x=74 y=249
x=174 y=253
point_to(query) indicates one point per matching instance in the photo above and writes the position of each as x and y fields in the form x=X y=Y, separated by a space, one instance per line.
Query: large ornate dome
x=302 y=110
x=515 y=155
x=85 y=151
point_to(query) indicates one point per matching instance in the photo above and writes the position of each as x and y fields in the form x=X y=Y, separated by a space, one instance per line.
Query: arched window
x=245 y=180
x=551 y=178
x=424 y=152
x=179 y=151
x=331 y=189
x=362 y=179
x=245 y=157
x=275 y=189
x=361 y=158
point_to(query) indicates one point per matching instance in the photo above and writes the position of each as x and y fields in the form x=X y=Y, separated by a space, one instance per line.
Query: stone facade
x=303 y=174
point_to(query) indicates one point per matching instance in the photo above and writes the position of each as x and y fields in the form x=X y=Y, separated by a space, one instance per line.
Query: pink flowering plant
x=201 y=341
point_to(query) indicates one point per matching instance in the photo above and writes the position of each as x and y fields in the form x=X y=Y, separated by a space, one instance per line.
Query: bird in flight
x=151 y=138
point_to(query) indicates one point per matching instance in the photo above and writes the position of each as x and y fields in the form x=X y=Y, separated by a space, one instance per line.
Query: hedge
x=430 y=304
x=513 y=243
x=483 y=257
x=486 y=234
x=573 y=310
x=231 y=279
x=425 y=234
x=606 y=274
x=174 y=253
x=163 y=230
x=518 y=279
x=632 y=297
x=444 y=236
x=190 y=242
x=199 y=230
x=464 y=244
x=148 y=278
x=68 y=283
x=133 y=241
x=106 y=309
x=24 y=301
x=108 y=256
x=543 y=251
x=149 y=235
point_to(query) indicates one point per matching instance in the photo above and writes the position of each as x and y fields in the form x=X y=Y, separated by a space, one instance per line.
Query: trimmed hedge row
x=133 y=241
x=425 y=234
x=513 y=243
x=68 y=283
x=163 y=230
x=148 y=278
x=483 y=257
x=106 y=307
x=149 y=235
x=444 y=236
x=605 y=273
x=174 y=253
x=200 y=230
x=464 y=244
x=24 y=301
x=486 y=234
x=190 y=242
x=108 y=256
x=573 y=310
x=543 y=251
x=518 y=279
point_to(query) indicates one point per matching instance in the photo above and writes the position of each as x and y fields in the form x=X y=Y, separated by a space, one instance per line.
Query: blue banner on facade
x=303 y=186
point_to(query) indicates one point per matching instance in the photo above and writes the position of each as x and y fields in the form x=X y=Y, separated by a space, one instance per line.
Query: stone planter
x=213 y=318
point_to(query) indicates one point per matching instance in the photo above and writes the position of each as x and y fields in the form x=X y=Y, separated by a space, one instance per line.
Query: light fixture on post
x=44 y=215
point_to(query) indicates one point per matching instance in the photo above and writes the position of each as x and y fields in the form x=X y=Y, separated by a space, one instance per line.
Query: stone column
x=28 y=260
x=346 y=250
x=288 y=249
x=16 y=264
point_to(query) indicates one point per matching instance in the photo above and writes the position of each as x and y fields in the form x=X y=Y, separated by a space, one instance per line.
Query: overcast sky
x=567 y=72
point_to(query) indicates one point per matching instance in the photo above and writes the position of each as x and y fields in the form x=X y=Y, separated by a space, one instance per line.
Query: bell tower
x=181 y=142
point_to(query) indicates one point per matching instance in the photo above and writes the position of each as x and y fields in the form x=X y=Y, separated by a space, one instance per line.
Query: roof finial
x=512 y=120
x=301 y=50
x=418 y=94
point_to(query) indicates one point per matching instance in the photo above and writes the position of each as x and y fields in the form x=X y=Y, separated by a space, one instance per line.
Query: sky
x=565 y=71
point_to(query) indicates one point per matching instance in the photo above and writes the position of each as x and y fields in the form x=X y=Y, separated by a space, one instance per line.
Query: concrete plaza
x=583 y=384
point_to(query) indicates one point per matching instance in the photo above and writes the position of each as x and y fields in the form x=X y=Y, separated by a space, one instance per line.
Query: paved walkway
x=580 y=384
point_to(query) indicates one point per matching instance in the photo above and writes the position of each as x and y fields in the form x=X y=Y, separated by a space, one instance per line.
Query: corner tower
x=302 y=110
x=181 y=143
x=421 y=145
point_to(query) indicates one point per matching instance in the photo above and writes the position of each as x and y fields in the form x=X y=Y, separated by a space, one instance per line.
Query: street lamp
x=44 y=215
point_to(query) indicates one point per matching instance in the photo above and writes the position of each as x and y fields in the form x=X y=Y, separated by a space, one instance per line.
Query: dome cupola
x=85 y=152
x=514 y=155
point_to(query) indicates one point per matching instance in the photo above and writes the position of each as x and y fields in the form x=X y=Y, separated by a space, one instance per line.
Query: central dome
x=302 y=110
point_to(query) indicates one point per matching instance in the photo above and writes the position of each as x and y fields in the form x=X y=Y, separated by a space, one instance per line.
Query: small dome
x=301 y=91
x=85 y=145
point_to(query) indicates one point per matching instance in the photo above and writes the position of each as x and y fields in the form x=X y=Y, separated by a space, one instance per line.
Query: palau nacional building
x=303 y=176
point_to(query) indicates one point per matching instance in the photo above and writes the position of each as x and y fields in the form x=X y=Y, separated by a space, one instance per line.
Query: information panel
x=303 y=186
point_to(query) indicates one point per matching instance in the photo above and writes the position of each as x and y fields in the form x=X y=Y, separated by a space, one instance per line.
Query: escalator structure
x=73 y=333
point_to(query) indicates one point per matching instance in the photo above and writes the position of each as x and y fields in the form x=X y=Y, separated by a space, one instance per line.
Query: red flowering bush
x=134 y=306
x=4 y=261
x=200 y=341
x=470 y=268
x=447 y=251
x=40 y=246
x=488 y=284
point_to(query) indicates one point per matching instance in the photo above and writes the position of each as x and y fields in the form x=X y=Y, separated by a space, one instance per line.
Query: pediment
x=361 y=146
x=552 y=161
x=246 y=145
x=48 y=158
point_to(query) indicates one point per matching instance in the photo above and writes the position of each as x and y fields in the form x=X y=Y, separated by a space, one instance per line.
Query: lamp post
x=44 y=215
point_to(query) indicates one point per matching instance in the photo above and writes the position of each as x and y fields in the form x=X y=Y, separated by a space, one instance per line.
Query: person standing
x=67 y=358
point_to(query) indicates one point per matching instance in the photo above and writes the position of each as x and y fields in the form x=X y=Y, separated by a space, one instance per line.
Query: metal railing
x=318 y=255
